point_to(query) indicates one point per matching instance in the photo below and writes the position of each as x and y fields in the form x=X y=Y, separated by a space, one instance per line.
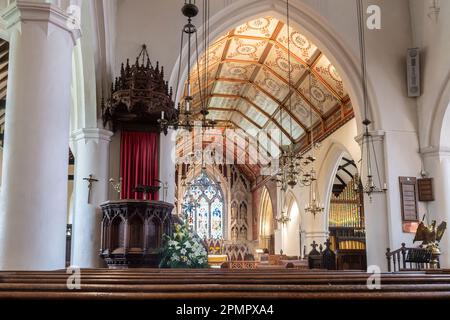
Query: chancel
x=224 y=149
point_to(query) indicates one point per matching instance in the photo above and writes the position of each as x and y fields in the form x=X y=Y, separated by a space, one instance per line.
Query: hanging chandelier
x=186 y=118
x=289 y=168
x=371 y=186
x=283 y=218
x=314 y=205
x=290 y=159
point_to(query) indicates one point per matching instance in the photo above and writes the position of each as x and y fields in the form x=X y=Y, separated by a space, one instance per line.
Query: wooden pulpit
x=133 y=232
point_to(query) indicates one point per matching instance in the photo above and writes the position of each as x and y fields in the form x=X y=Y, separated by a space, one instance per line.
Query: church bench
x=323 y=291
x=233 y=275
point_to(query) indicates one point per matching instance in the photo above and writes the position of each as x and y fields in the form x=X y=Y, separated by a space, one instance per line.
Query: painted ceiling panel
x=246 y=49
x=300 y=45
x=277 y=135
x=238 y=71
x=292 y=127
x=262 y=27
x=215 y=53
x=318 y=94
x=268 y=82
x=328 y=72
x=229 y=88
x=261 y=100
x=253 y=113
x=302 y=111
x=278 y=61
x=223 y=103
x=267 y=143
x=245 y=124
x=218 y=115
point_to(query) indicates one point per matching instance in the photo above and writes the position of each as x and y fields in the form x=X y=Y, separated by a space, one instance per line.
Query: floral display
x=184 y=249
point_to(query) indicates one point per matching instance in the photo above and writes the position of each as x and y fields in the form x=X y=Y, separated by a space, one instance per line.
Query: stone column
x=167 y=157
x=376 y=209
x=437 y=164
x=91 y=151
x=35 y=166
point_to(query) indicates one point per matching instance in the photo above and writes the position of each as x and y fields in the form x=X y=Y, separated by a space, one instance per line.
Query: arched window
x=203 y=203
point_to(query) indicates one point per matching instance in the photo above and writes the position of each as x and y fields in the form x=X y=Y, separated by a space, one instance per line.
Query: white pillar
x=437 y=164
x=375 y=209
x=91 y=150
x=35 y=166
x=167 y=162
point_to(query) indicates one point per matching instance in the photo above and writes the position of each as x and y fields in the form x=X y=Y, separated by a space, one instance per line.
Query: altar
x=133 y=232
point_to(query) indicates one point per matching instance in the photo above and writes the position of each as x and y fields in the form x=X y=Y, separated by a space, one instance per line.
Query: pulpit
x=133 y=232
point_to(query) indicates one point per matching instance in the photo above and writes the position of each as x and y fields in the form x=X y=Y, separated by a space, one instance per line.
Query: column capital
x=95 y=134
x=21 y=11
x=377 y=135
x=432 y=152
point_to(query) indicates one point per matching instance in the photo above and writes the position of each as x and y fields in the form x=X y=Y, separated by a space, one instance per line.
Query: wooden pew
x=220 y=284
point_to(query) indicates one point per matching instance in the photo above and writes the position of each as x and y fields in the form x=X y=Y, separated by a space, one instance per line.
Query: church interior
x=224 y=148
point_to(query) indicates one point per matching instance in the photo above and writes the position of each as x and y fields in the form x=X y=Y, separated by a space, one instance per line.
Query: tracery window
x=203 y=203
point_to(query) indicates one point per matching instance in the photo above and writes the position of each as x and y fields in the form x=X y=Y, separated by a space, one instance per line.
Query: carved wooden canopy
x=139 y=96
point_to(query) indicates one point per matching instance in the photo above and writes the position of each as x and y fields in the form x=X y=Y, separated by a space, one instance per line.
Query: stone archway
x=312 y=25
x=439 y=129
x=266 y=222
x=291 y=230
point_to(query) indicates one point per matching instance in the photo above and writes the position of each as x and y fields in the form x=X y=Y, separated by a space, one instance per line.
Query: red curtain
x=139 y=162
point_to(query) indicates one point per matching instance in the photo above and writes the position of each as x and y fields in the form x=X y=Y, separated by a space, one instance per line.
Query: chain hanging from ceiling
x=368 y=152
x=186 y=118
x=291 y=161
x=314 y=205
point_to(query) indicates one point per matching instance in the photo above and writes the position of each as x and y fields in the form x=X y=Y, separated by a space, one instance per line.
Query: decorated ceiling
x=247 y=82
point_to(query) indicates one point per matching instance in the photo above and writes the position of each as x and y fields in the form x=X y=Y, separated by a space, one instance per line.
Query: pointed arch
x=291 y=230
x=305 y=18
x=439 y=127
x=266 y=222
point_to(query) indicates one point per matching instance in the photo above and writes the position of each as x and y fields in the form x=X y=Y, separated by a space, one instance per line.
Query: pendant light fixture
x=368 y=152
x=290 y=159
x=314 y=205
x=186 y=119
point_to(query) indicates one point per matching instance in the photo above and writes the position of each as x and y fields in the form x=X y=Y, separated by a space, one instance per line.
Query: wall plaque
x=425 y=189
x=408 y=195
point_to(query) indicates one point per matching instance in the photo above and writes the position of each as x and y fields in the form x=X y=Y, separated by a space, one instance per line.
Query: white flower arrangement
x=184 y=249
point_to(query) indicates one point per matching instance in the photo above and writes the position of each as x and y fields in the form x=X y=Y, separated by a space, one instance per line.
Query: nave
x=283 y=149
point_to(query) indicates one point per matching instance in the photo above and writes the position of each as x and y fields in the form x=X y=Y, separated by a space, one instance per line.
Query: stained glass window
x=203 y=202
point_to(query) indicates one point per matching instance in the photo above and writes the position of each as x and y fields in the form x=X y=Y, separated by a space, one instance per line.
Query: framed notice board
x=408 y=195
x=425 y=188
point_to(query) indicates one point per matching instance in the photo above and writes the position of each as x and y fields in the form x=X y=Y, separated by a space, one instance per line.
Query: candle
x=162 y=115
